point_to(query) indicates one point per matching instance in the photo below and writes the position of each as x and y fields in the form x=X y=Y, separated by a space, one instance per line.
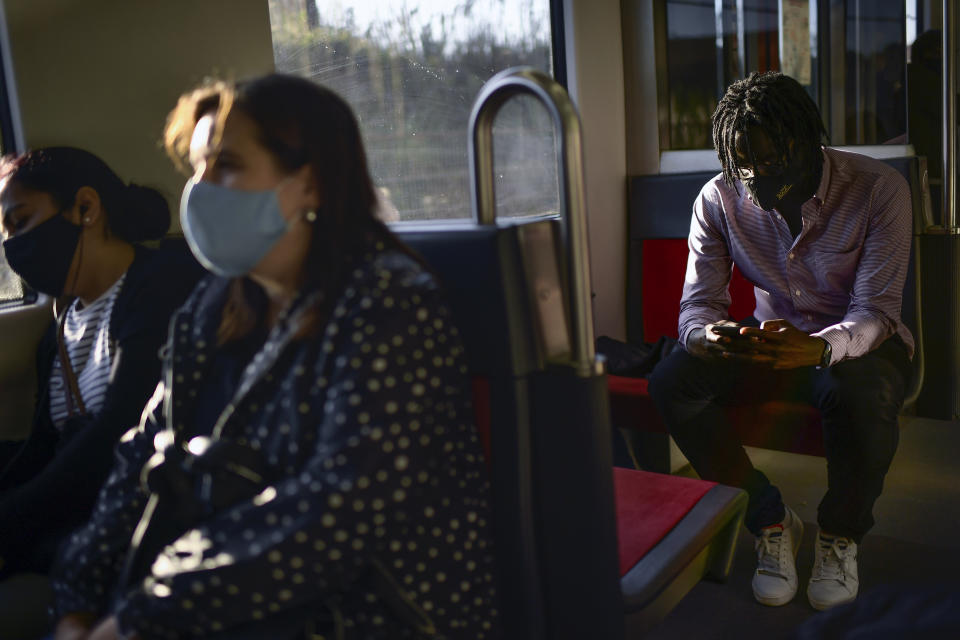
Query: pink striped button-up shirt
x=841 y=279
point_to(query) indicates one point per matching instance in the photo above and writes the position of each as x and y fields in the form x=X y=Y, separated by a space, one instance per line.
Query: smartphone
x=727 y=330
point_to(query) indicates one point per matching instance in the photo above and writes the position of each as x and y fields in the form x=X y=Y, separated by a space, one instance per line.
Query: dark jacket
x=374 y=507
x=50 y=486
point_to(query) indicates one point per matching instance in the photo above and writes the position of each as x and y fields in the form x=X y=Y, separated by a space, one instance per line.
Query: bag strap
x=66 y=370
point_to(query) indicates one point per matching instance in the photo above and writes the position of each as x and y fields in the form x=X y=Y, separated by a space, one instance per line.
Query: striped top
x=91 y=350
x=841 y=279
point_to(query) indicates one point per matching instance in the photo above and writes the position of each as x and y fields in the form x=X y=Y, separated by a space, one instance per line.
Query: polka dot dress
x=376 y=514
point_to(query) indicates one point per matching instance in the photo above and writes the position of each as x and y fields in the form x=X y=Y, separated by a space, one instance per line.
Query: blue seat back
x=551 y=473
x=479 y=268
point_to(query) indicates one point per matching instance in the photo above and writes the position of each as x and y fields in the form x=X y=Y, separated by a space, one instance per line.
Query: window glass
x=851 y=56
x=411 y=71
x=10 y=285
x=691 y=48
x=875 y=84
x=709 y=43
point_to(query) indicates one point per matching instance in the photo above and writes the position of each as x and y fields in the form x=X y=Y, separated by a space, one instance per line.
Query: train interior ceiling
x=644 y=75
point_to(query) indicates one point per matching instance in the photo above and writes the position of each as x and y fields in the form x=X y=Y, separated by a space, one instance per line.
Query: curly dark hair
x=777 y=104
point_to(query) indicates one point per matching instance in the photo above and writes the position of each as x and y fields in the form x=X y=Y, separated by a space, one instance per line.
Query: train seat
x=672 y=532
x=558 y=544
x=659 y=221
x=473 y=263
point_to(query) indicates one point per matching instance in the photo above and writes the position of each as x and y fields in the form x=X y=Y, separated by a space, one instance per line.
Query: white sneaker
x=775 y=582
x=834 y=580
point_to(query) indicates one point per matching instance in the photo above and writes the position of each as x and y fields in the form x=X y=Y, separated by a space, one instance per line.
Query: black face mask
x=42 y=256
x=769 y=191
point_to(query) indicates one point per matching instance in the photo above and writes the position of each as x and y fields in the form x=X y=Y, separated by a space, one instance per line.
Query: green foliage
x=412 y=82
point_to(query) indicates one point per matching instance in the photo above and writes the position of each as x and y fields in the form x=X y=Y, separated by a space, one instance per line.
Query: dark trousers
x=858 y=399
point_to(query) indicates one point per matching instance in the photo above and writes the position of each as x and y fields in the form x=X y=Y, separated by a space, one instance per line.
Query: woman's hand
x=108 y=630
x=74 y=626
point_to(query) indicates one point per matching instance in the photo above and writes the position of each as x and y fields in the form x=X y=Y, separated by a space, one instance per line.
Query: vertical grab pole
x=554 y=98
x=949 y=117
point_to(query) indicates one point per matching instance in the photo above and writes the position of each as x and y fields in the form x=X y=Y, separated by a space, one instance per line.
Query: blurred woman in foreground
x=310 y=450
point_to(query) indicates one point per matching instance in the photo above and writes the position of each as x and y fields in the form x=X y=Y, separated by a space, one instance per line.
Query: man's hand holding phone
x=723 y=340
x=775 y=343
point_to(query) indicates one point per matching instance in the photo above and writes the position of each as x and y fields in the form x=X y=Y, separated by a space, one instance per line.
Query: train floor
x=916 y=539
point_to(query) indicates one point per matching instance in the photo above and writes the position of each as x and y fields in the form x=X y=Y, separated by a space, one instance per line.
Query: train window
x=852 y=56
x=11 y=288
x=411 y=71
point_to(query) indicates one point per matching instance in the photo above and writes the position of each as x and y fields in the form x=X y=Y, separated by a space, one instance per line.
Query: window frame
x=11 y=126
x=558 y=43
x=645 y=70
x=12 y=140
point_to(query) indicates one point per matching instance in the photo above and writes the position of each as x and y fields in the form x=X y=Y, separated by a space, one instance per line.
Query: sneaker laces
x=832 y=556
x=771 y=547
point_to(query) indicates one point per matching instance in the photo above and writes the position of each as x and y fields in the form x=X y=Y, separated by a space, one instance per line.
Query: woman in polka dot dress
x=323 y=346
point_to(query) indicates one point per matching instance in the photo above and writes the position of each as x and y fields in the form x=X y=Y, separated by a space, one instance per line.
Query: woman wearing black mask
x=71 y=230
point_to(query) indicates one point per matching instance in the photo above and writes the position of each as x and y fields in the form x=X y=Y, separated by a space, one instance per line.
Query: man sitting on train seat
x=824 y=236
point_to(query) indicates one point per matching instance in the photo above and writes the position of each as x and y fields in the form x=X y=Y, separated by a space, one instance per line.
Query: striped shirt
x=841 y=279
x=86 y=333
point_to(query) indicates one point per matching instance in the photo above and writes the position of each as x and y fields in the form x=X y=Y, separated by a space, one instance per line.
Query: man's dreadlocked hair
x=776 y=103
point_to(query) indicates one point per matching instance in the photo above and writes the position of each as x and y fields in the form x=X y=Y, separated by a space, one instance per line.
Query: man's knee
x=871 y=390
x=861 y=405
x=684 y=380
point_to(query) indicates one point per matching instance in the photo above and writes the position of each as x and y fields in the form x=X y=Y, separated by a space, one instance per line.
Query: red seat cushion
x=622 y=386
x=631 y=406
x=648 y=506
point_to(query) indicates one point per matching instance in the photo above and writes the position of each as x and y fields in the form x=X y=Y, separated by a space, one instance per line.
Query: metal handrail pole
x=498 y=90
x=949 y=116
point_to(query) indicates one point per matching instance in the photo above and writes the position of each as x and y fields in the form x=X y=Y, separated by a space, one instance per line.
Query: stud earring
x=87 y=220
x=310 y=215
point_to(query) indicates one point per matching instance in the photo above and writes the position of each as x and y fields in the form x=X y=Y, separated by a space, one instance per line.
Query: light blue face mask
x=228 y=230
